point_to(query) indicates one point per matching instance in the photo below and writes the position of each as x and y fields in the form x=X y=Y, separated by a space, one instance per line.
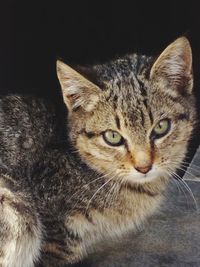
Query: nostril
x=142 y=169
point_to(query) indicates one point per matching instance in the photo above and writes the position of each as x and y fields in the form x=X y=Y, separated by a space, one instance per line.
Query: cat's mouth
x=136 y=177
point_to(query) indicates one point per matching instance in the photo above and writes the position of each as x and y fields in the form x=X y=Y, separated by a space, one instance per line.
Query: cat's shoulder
x=27 y=125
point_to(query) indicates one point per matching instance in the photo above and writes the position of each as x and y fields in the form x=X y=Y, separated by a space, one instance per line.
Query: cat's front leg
x=66 y=240
x=20 y=229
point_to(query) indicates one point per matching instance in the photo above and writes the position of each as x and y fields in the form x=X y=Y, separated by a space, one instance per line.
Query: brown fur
x=66 y=201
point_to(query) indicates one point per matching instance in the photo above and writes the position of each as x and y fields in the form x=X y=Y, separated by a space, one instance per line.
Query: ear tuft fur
x=174 y=66
x=77 y=90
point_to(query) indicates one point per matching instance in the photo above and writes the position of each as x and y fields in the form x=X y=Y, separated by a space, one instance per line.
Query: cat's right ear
x=77 y=91
x=173 y=67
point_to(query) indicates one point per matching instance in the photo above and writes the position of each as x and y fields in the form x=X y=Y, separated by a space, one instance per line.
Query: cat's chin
x=136 y=177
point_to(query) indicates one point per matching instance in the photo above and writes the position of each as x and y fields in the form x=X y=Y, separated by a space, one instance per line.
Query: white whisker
x=187 y=188
x=97 y=192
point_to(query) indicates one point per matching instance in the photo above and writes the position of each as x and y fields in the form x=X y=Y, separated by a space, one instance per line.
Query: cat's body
x=59 y=202
x=55 y=188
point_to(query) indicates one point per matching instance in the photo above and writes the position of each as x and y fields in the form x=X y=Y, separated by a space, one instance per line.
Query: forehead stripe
x=117 y=122
x=183 y=116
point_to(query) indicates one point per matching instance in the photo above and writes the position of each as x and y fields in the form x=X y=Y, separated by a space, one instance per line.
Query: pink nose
x=143 y=169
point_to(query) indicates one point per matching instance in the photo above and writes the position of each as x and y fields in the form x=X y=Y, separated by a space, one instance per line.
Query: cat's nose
x=143 y=169
x=142 y=160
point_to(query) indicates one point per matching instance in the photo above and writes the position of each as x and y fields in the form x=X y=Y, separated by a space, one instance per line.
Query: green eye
x=113 y=138
x=161 y=129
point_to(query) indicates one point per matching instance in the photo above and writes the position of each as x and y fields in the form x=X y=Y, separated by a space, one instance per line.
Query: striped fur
x=60 y=200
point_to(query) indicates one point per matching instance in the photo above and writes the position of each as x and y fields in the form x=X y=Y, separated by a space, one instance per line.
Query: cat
x=128 y=125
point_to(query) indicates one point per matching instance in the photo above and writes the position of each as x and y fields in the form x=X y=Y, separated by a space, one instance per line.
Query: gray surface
x=171 y=238
x=193 y=172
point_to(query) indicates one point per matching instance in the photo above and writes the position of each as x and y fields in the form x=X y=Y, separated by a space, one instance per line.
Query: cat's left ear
x=77 y=90
x=174 y=67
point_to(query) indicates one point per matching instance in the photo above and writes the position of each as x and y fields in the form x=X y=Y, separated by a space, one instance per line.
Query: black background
x=35 y=33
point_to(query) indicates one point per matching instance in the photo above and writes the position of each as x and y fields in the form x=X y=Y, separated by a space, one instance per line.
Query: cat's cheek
x=91 y=155
x=100 y=155
x=90 y=150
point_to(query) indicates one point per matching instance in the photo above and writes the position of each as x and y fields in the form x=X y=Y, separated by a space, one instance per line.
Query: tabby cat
x=129 y=122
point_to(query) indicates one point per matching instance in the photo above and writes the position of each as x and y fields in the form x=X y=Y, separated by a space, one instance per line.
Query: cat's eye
x=113 y=138
x=161 y=129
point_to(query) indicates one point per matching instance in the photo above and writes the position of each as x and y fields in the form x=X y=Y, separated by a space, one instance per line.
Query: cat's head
x=136 y=126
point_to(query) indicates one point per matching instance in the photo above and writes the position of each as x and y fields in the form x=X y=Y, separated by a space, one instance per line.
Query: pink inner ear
x=73 y=97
